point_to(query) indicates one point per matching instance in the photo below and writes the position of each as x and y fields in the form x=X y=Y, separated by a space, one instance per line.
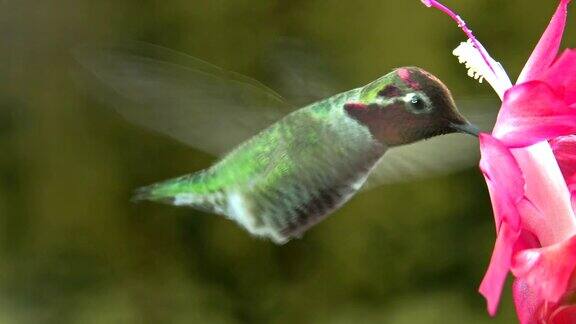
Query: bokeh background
x=73 y=249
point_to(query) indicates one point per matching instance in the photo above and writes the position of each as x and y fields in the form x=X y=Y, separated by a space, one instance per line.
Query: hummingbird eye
x=417 y=104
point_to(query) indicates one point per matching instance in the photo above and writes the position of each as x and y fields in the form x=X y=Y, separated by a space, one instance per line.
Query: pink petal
x=561 y=76
x=547 y=48
x=504 y=180
x=532 y=112
x=564 y=148
x=563 y=315
x=491 y=286
x=547 y=210
x=572 y=189
x=547 y=270
x=505 y=184
x=526 y=302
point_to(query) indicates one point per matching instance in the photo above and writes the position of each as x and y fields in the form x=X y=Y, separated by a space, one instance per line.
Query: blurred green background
x=73 y=249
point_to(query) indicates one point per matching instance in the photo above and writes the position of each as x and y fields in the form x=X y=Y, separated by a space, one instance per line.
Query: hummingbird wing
x=187 y=99
x=438 y=155
x=301 y=72
x=181 y=96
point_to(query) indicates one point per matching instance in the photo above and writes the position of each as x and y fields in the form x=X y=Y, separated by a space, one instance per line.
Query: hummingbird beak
x=466 y=128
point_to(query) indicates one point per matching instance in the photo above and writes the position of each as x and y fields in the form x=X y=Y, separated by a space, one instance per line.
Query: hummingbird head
x=408 y=105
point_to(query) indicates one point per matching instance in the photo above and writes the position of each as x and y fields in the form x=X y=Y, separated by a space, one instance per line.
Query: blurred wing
x=438 y=155
x=181 y=96
x=301 y=72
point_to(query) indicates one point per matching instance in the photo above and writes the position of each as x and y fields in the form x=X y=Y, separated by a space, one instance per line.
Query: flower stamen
x=467 y=55
x=479 y=63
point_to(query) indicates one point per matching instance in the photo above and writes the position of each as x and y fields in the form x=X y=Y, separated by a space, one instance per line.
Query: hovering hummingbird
x=292 y=174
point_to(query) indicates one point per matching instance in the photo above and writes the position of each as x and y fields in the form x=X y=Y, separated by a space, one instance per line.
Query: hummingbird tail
x=156 y=193
x=143 y=193
x=153 y=193
x=183 y=191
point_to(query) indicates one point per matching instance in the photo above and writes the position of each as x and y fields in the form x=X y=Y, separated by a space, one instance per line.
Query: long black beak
x=467 y=128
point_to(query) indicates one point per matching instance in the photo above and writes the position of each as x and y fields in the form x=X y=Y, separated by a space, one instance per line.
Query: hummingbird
x=299 y=169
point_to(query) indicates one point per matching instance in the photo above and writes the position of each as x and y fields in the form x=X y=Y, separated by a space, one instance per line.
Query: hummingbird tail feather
x=151 y=193
x=141 y=194
x=183 y=191
x=155 y=192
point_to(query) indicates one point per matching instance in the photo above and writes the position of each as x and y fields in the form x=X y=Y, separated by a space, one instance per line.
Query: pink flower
x=529 y=163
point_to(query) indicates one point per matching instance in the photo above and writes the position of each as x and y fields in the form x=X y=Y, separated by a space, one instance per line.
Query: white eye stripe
x=385 y=101
x=409 y=99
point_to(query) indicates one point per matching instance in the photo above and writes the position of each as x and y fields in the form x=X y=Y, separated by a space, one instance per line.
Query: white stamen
x=468 y=55
x=479 y=69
